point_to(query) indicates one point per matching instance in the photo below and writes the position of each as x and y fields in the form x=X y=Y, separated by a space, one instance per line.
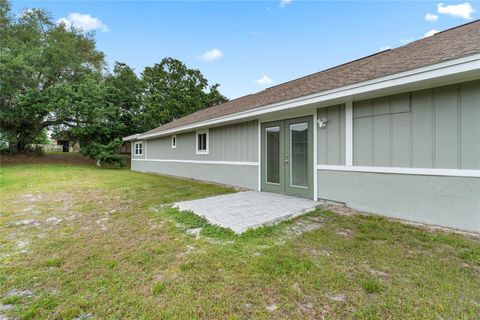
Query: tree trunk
x=12 y=146
x=21 y=147
x=99 y=163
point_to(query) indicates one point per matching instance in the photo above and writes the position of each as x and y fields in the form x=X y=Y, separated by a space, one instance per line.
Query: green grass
x=117 y=250
x=372 y=286
x=13 y=299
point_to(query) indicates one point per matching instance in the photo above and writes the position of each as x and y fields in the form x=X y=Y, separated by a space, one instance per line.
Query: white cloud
x=83 y=21
x=462 y=10
x=431 y=17
x=406 y=40
x=213 y=54
x=430 y=33
x=383 y=48
x=284 y=3
x=264 y=80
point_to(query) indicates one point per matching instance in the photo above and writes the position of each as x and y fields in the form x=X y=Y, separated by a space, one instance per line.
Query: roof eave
x=131 y=137
x=442 y=69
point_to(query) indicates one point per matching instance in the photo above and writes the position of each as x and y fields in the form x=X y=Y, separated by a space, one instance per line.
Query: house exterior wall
x=244 y=176
x=331 y=139
x=447 y=201
x=438 y=128
x=435 y=128
x=236 y=142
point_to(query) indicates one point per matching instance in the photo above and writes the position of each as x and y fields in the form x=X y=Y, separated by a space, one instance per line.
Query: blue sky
x=250 y=45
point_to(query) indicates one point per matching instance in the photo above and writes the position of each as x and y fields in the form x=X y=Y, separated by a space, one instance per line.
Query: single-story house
x=395 y=133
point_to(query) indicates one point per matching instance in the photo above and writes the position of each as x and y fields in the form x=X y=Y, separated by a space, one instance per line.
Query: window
x=202 y=142
x=138 y=148
x=174 y=141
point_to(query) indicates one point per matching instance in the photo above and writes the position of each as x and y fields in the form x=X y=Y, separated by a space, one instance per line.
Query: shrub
x=105 y=153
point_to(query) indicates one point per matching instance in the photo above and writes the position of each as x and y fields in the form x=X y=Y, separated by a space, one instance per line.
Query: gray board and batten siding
x=434 y=128
x=235 y=143
x=331 y=139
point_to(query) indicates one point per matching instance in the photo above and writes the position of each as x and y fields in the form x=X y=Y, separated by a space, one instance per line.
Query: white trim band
x=398 y=170
x=233 y=163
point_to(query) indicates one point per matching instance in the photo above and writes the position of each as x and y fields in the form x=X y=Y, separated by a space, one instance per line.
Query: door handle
x=286 y=160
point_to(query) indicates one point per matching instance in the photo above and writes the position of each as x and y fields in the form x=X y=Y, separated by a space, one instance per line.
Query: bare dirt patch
x=343 y=210
x=194 y=232
x=339 y=297
x=305 y=224
x=345 y=233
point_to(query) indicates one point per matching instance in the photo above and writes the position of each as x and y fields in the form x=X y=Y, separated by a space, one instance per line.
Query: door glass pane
x=273 y=154
x=298 y=154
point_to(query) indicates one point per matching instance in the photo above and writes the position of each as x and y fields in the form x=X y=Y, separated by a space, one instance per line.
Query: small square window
x=174 y=141
x=138 y=148
x=202 y=142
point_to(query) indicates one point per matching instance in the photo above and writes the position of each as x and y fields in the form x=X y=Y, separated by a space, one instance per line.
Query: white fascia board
x=446 y=68
x=132 y=137
x=402 y=170
x=233 y=163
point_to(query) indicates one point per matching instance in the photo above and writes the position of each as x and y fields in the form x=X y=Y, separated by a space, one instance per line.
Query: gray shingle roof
x=450 y=44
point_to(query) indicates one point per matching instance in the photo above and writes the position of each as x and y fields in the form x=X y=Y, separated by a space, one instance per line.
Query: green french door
x=287 y=156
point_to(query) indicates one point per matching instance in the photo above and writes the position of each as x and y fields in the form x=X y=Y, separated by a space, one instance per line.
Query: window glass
x=298 y=155
x=138 y=148
x=202 y=141
x=273 y=154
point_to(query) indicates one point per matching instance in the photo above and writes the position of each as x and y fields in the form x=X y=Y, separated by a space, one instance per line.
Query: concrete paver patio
x=248 y=209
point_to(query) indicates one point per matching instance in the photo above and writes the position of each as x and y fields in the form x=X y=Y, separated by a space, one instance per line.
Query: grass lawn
x=81 y=242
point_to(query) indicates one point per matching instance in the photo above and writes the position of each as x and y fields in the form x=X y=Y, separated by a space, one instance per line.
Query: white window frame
x=135 y=149
x=198 y=132
x=174 y=144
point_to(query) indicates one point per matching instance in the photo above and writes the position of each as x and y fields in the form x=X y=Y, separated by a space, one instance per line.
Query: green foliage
x=105 y=153
x=43 y=67
x=52 y=77
x=36 y=150
x=172 y=91
x=124 y=91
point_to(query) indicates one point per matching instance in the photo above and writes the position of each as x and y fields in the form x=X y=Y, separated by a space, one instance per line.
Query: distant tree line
x=54 y=77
